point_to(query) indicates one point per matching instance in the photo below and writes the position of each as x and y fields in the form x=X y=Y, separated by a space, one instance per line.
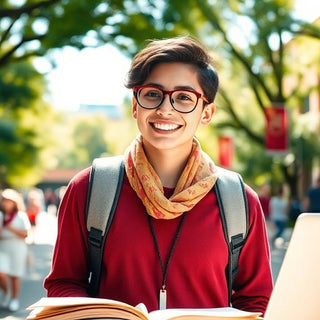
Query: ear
x=207 y=114
x=134 y=108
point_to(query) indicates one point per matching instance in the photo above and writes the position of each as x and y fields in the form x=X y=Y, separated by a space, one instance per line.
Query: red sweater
x=132 y=274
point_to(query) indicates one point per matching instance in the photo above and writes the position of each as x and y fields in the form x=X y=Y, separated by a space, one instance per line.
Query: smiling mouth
x=165 y=126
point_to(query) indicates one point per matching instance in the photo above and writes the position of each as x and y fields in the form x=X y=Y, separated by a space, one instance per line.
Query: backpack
x=102 y=202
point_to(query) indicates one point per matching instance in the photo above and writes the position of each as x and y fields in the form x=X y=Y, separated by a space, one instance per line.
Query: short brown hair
x=181 y=49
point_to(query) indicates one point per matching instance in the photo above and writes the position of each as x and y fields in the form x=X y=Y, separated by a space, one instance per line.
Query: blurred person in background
x=50 y=200
x=278 y=213
x=313 y=197
x=60 y=192
x=295 y=209
x=35 y=206
x=14 y=226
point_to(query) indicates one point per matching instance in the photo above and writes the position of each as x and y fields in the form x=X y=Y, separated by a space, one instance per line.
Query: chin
x=168 y=144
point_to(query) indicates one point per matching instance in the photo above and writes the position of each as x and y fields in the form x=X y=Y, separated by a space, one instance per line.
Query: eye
x=185 y=96
x=151 y=93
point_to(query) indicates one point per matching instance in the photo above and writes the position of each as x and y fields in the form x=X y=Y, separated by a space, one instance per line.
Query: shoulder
x=79 y=183
x=76 y=191
x=81 y=177
x=251 y=193
x=254 y=205
x=313 y=190
x=253 y=202
x=252 y=197
x=73 y=203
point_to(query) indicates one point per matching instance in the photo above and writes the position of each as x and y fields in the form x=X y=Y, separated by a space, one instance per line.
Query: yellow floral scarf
x=196 y=180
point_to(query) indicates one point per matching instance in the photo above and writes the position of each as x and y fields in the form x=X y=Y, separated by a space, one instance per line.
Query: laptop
x=296 y=294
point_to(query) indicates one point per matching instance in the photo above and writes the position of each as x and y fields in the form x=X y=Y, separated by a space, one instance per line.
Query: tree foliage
x=251 y=36
x=254 y=38
x=25 y=143
x=88 y=136
x=32 y=27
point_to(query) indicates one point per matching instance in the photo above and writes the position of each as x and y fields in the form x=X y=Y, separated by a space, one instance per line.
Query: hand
x=18 y=232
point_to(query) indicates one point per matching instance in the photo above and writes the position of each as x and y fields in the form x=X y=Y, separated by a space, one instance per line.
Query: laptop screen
x=296 y=295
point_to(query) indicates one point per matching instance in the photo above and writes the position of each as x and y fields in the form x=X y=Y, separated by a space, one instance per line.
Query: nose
x=166 y=105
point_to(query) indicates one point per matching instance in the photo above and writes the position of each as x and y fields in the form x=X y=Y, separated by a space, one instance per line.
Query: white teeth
x=163 y=126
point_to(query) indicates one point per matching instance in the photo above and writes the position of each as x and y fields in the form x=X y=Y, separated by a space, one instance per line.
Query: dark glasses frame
x=137 y=89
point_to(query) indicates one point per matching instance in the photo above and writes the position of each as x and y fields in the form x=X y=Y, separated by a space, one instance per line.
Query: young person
x=14 y=226
x=313 y=197
x=166 y=198
x=279 y=207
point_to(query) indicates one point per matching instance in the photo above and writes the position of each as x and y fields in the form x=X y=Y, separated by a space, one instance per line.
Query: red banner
x=276 y=139
x=225 y=151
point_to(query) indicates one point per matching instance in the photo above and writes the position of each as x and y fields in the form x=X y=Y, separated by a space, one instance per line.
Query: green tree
x=33 y=27
x=83 y=139
x=88 y=136
x=25 y=143
x=252 y=37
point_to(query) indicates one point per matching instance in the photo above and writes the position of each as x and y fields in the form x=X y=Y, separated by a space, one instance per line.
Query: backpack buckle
x=237 y=242
x=95 y=237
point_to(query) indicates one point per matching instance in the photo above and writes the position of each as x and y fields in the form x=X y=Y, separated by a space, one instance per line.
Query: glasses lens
x=184 y=101
x=150 y=97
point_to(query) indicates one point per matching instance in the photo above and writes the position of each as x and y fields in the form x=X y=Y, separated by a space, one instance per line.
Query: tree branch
x=278 y=71
x=4 y=59
x=238 y=123
x=7 y=32
x=277 y=67
x=207 y=12
x=17 y=12
x=258 y=97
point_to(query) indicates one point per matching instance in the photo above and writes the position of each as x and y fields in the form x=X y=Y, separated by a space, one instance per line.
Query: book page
x=81 y=307
x=203 y=314
x=74 y=301
x=96 y=308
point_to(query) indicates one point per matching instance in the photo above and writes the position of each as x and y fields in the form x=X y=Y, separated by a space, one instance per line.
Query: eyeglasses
x=182 y=100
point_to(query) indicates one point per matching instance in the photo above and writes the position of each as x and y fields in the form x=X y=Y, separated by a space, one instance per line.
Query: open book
x=97 y=308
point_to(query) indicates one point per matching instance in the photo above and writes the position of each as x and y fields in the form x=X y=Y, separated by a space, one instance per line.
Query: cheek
x=193 y=120
x=8 y=205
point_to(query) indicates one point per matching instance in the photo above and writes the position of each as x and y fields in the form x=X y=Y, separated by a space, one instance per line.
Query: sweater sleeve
x=69 y=271
x=253 y=284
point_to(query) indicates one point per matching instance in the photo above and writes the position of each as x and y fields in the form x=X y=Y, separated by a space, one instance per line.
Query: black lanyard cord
x=164 y=269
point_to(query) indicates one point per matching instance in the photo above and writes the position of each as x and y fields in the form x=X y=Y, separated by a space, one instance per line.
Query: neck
x=10 y=212
x=168 y=164
x=8 y=217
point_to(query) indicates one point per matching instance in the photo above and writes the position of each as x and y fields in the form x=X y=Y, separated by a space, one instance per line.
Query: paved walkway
x=40 y=262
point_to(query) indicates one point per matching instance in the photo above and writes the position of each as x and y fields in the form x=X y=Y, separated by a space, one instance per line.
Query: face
x=8 y=206
x=164 y=128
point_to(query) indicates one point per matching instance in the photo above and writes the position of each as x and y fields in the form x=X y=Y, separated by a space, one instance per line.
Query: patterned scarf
x=196 y=180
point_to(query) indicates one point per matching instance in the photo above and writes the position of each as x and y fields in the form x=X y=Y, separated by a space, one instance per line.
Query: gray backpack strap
x=233 y=206
x=105 y=183
x=102 y=201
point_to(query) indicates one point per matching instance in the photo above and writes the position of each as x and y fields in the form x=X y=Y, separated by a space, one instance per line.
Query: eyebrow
x=175 y=88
